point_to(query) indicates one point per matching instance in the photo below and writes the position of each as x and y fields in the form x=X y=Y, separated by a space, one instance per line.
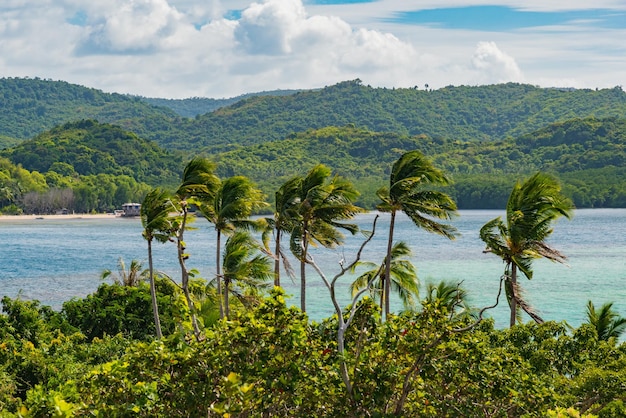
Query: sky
x=221 y=49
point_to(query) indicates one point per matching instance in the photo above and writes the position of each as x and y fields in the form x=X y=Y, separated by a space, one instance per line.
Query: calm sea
x=55 y=260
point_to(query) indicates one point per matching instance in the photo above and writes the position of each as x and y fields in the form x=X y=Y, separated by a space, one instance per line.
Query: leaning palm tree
x=403 y=277
x=199 y=183
x=286 y=216
x=245 y=266
x=236 y=199
x=607 y=322
x=410 y=191
x=323 y=203
x=531 y=209
x=157 y=225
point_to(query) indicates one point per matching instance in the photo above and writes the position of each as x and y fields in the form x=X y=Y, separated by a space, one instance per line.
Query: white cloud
x=182 y=48
x=120 y=26
x=493 y=65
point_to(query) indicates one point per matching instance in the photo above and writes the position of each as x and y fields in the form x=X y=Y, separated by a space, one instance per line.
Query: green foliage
x=92 y=148
x=114 y=309
x=272 y=362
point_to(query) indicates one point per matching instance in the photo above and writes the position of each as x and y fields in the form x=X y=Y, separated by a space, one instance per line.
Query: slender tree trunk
x=185 y=276
x=218 y=276
x=226 y=303
x=513 y=318
x=305 y=247
x=345 y=376
x=155 y=307
x=277 y=260
x=386 y=279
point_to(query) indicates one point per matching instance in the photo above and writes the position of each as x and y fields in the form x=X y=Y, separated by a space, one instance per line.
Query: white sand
x=14 y=218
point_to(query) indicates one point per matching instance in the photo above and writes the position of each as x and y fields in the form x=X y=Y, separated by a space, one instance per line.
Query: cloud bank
x=184 y=48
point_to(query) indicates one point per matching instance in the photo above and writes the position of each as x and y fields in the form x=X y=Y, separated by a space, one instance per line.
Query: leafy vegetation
x=99 y=356
x=273 y=362
x=104 y=165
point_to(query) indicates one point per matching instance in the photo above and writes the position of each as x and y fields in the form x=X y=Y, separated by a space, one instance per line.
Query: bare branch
x=483 y=310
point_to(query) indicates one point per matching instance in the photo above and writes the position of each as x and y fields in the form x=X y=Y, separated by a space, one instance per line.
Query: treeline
x=112 y=164
x=33 y=105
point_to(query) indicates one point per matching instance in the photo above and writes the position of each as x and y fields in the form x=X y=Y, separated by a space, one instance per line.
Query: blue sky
x=223 y=48
x=503 y=18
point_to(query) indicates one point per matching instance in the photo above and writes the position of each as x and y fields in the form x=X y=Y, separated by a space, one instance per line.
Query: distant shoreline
x=12 y=218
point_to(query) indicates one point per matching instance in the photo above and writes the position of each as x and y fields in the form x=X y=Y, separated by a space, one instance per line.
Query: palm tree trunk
x=386 y=278
x=218 y=276
x=513 y=303
x=155 y=307
x=185 y=276
x=277 y=259
x=226 y=304
x=305 y=248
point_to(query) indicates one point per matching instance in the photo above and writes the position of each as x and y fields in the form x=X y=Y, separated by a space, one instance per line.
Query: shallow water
x=55 y=260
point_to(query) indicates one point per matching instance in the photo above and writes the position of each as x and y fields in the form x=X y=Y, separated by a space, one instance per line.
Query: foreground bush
x=273 y=362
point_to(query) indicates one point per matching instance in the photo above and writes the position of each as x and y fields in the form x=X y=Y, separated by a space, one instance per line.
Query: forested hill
x=31 y=106
x=483 y=113
x=90 y=148
x=588 y=155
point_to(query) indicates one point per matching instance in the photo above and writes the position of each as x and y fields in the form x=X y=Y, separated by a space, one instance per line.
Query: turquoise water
x=55 y=260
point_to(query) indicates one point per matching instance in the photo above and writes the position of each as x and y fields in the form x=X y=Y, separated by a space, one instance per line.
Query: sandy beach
x=17 y=218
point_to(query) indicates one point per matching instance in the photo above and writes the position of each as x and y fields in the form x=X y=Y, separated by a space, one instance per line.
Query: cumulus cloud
x=121 y=26
x=222 y=48
x=493 y=65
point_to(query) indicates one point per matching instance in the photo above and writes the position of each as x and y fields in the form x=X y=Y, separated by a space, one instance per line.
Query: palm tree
x=403 y=277
x=199 y=183
x=607 y=322
x=244 y=266
x=232 y=205
x=157 y=225
x=450 y=295
x=530 y=211
x=323 y=202
x=410 y=191
x=285 y=217
x=131 y=277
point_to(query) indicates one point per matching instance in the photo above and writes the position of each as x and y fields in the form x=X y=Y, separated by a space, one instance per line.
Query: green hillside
x=482 y=113
x=485 y=113
x=31 y=106
x=587 y=154
x=88 y=148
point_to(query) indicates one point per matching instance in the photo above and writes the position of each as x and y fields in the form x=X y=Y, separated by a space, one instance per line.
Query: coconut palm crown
x=411 y=191
x=531 y=209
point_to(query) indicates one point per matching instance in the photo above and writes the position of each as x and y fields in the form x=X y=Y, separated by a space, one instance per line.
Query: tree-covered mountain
x=484 y=113
x=88 y=147
x=481 y=113
x=31 y=106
